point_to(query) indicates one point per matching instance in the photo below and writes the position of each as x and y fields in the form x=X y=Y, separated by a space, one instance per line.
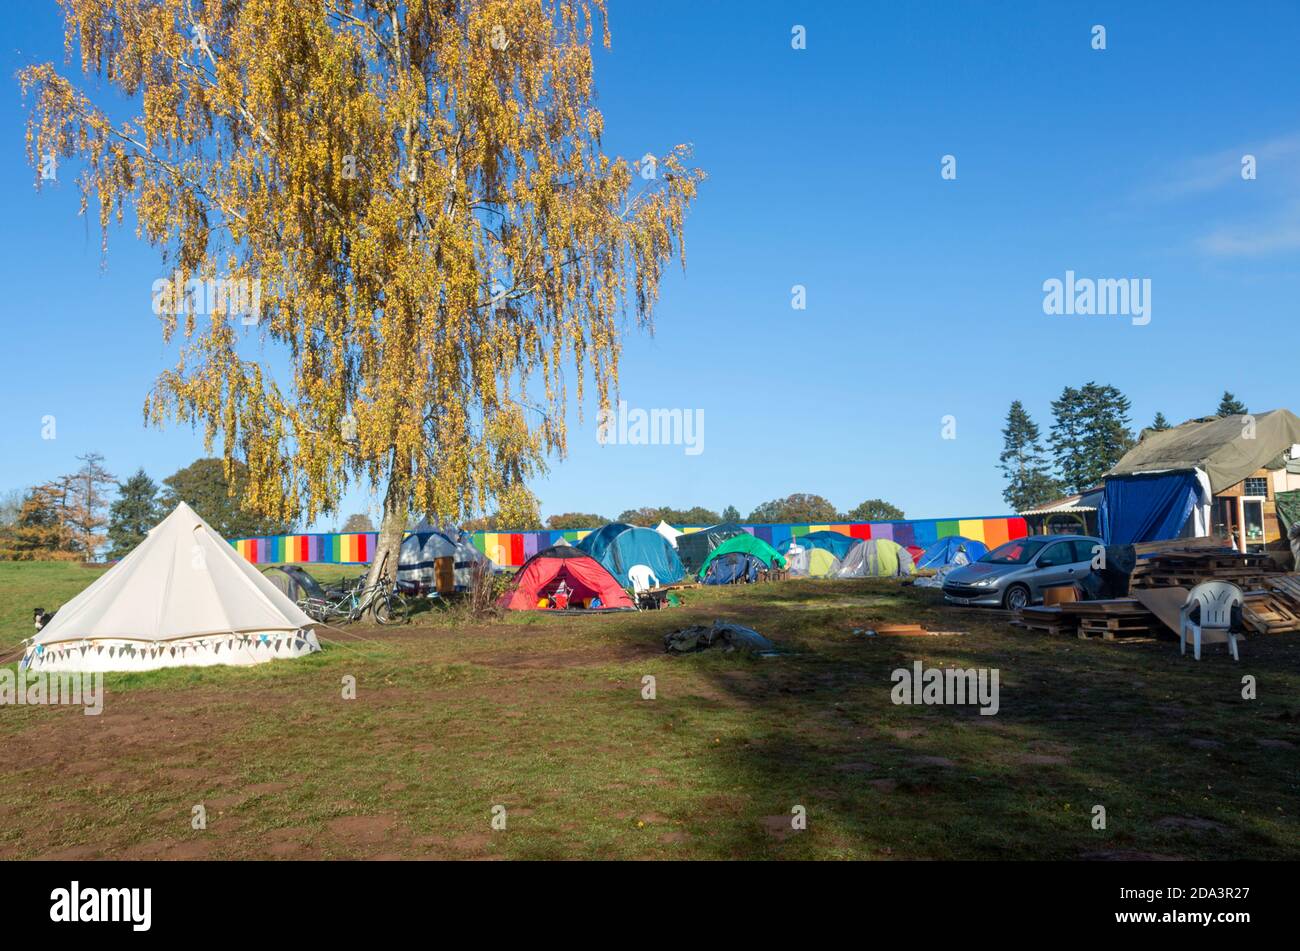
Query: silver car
x=1015 y=574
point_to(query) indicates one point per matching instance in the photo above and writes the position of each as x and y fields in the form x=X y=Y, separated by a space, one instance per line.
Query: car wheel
x=1017 y=597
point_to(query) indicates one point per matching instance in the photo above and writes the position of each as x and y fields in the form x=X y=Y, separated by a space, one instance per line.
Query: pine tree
x=1231 y=406
x=1090 y=432
x=1066 y=438
x=731 y=514
x=1160 y=424
x=1106 y=432
x=1029 y=481
x=132 y=514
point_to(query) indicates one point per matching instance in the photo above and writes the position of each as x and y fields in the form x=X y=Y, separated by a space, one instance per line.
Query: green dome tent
x=747 y=544
x=694 y=547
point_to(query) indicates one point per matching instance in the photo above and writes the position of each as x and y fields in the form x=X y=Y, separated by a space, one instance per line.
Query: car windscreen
x=1018 y=552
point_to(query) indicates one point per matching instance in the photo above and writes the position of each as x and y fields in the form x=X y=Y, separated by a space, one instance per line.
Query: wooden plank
x=1164 y=603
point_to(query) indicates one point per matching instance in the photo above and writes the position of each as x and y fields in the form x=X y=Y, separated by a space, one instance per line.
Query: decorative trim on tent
x=120 y=654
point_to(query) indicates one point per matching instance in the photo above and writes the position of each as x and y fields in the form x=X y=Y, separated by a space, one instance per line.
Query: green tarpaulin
x=1228 y=449
x=1288 y=508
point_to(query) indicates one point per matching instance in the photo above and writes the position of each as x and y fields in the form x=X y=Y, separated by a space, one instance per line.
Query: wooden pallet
x=1118 y=617
x=1045 y=620
x=1110 y=628
x=1270 y=612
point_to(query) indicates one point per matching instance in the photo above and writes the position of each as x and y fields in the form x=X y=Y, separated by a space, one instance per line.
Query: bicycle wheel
x=391 y=609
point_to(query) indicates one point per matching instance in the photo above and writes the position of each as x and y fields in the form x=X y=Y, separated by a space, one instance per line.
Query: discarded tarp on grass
x=724 y=634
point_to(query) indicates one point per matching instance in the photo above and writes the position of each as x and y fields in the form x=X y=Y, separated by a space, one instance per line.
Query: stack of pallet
x=1048 y=620
x=1186 y=569
x=1120 y=617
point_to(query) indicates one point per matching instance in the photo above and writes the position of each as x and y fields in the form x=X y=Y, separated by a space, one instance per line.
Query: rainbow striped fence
x=512 y=549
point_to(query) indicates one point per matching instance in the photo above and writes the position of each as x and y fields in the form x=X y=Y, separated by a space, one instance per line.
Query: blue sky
x=924 y=296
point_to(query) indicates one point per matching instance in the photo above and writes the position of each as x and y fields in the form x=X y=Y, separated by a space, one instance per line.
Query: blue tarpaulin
x=945 y=550
x=1147 y=508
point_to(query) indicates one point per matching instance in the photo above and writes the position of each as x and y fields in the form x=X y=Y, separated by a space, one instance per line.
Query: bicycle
x=385 y=604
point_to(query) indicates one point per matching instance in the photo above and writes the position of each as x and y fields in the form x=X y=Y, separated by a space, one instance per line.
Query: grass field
x=544 y=715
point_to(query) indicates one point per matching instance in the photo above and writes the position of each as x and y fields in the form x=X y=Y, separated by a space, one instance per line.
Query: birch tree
x=404 y=203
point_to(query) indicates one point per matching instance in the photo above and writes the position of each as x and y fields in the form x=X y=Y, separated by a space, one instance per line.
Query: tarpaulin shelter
x=837 y=543
x=733 y=567
x=876 y=558
x=587 y=580
x=745 y=544
x=183 y=597
x=946 y=551
x=1147 y=508
x=693 y=548
x=619 y=547
x=425 y=544
x=1164 y=485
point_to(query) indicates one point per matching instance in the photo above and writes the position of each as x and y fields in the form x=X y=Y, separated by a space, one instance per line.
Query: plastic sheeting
x=1147 y=508
x=729 y=636
x=735 y=567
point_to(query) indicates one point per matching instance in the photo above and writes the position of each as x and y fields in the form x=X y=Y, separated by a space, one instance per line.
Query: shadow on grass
x=1182 y=765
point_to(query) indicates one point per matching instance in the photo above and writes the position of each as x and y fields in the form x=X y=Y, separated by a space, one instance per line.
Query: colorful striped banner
x=512 y=549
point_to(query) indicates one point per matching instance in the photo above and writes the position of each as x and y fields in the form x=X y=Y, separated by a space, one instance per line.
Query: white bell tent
x=182 y=598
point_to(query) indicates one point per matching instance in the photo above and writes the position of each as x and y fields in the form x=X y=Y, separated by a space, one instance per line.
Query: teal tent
x=837 y=543
x=618 y=547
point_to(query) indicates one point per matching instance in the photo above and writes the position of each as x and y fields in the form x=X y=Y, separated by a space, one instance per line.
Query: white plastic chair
x=642 y=578
x=1215 y=599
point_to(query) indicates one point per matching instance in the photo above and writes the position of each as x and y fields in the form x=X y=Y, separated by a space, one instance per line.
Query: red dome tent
x=586 y=578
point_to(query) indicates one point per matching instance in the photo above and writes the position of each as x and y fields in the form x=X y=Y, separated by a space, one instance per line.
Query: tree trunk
x=383 y=564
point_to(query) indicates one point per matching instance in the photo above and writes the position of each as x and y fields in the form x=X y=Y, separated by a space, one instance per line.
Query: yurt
x=417 y=557
x=587 y=584
x=182 y=598
x=876 y=558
